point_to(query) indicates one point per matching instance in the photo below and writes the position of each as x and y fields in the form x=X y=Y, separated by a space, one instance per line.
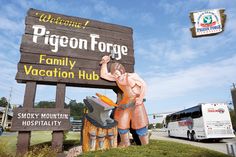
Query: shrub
x=150 y=126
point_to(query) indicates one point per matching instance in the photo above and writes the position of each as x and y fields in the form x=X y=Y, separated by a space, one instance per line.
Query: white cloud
x=108 y=11
x=171 y=8
x=170 y=51
x=182 y=82
x=13 y=26
x=147 y=17
x=217 y=3
x=182 y=48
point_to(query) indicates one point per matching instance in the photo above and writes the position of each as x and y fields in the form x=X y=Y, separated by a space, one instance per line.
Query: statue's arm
x=136 y=80
x=104 y=70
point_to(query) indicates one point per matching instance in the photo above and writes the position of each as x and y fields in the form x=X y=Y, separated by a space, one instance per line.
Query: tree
x=159 y=125
x=233 y=117
x=76 y=109
x=150 y=126
x=3 y=102
x=46 y=104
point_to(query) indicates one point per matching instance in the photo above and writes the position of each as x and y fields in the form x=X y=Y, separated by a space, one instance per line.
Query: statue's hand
x=138 y=101
x=105 y=59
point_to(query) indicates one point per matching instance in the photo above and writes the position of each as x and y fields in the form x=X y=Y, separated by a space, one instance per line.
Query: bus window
x=173 y=118
x=178 y=117
x=182 y=116
x=197 y=113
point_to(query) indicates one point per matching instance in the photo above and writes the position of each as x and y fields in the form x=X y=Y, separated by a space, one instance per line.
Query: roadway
x=216 y=146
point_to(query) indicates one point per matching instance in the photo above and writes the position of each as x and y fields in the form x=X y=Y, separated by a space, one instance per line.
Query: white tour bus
x=204 y=121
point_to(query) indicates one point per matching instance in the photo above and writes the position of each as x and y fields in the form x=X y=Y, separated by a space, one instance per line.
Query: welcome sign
x=63 y=49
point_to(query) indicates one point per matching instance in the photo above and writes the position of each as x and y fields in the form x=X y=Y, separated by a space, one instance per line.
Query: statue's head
x=117 y=67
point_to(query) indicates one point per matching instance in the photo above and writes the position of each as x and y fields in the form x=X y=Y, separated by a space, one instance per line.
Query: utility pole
x=233 y=94
x=6 y=111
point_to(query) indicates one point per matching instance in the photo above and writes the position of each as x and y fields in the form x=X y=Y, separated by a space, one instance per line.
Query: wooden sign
x=30 y=119
x=207 y=22
x=63 y=49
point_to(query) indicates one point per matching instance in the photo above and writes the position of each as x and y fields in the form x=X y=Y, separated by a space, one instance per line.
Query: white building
x=157 y=118
x=6 y=119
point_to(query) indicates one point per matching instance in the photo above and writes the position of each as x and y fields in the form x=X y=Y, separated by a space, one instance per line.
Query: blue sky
x=180 y=71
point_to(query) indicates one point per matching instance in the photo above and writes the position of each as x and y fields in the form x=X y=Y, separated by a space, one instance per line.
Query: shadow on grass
x=202 y=141
x=66 y=144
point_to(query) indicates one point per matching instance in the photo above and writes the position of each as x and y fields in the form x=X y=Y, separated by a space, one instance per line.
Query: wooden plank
x=28 y=43
x=36 y=119
x=76 y=54
x=25 y=67
x=53 y=74
x=57 y=136
x=61 y=72
x=23 y=138
x=30 y=21
x=92 y=23
x=66 y=62
x=21 y=78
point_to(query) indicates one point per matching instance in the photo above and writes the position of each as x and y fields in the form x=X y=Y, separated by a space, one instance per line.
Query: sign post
x=57 y=136
x=23 y=140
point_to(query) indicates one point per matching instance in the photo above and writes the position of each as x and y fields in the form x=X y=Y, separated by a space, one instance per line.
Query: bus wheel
x=189 y=135
x=194 y=136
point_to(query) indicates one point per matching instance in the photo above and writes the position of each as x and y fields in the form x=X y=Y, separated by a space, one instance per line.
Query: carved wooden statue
x=131 y=108
x=99 y=130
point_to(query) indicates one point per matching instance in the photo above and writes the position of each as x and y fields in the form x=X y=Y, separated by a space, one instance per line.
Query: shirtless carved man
x=131 y=108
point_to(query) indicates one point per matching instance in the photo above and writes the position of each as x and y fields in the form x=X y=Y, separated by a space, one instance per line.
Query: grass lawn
x=156 y=148
x=38 y=137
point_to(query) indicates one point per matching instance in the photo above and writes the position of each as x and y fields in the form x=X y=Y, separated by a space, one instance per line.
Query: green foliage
x=233 y=117
x=3 y=102
x=76 y=109
x=159 y=125
x=150 y=126
x=158 y=148
x=46 y=104
x=65 y=133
